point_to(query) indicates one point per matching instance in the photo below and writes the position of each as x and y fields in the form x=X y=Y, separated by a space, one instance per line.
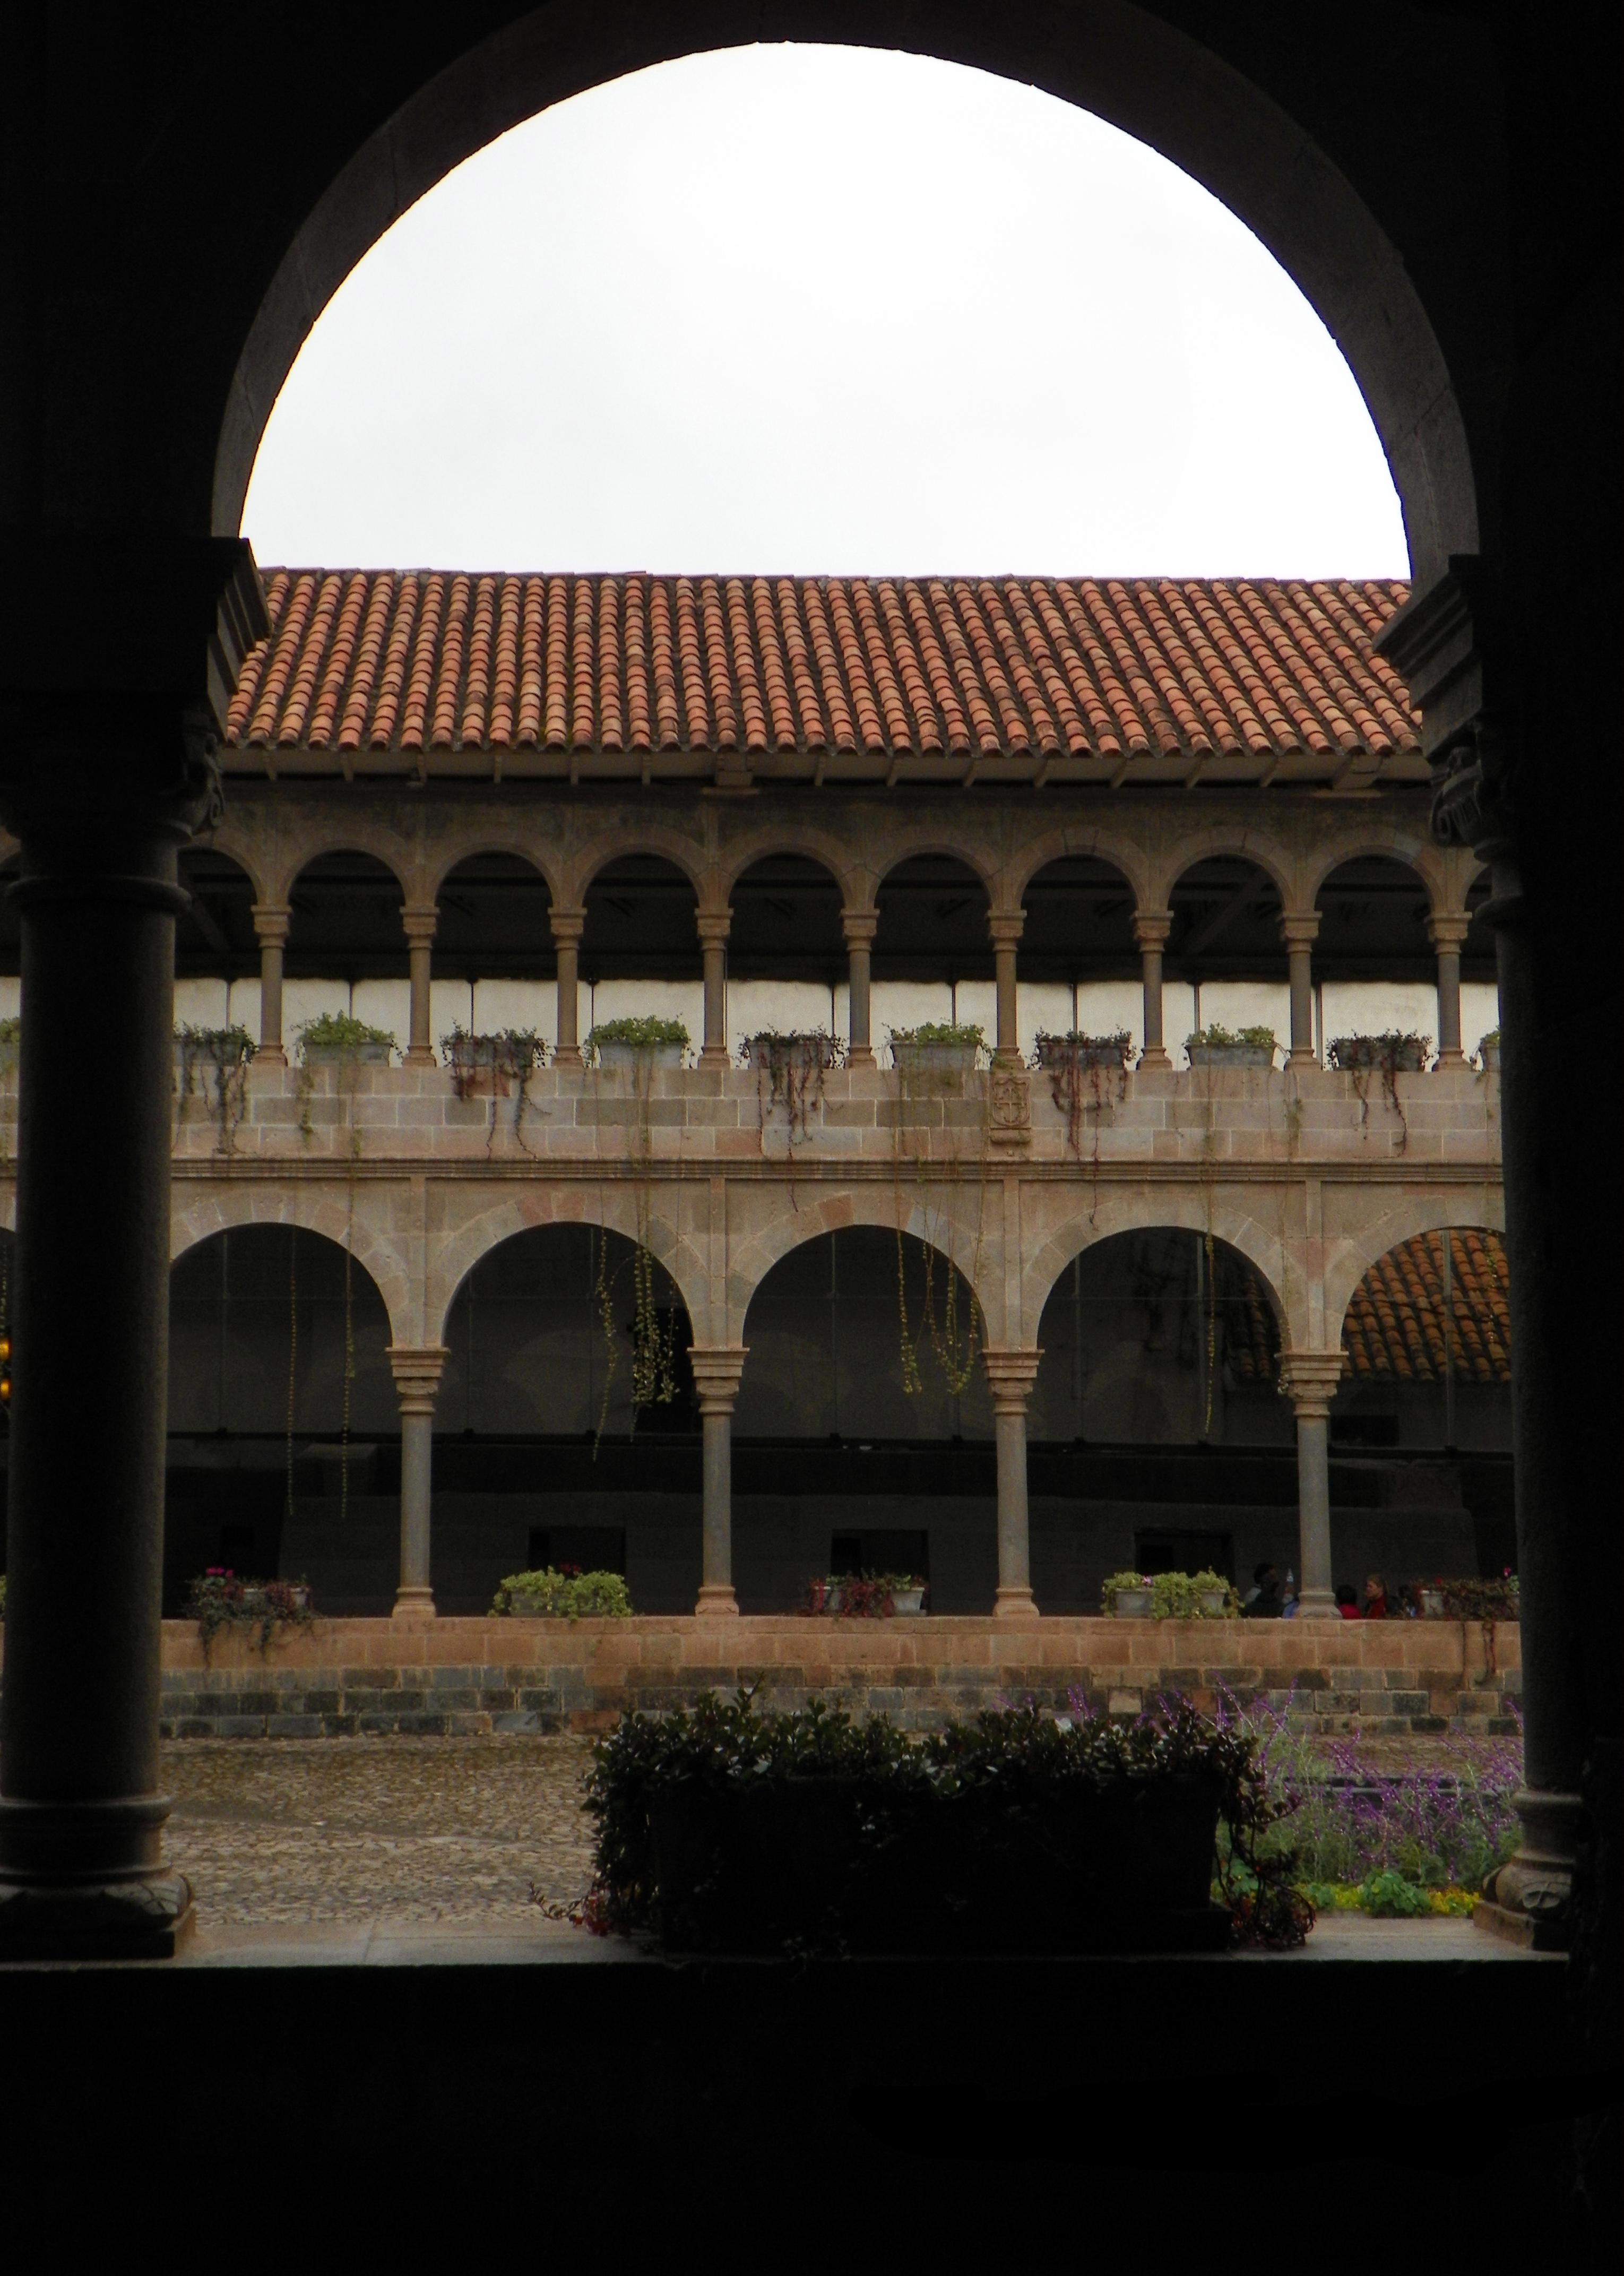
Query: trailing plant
x=1182 y=1596
x=1217 y=1038
x=937 y=1034
x=1388 y=1055
x=219 y=1600
x=337 y=1031
x=645 y=1034
x=1115 y=1581
x=229 y=1052
x=861 y=1597
x=955 y=1345
x=510 y=1056
x=564 y=1593
x=1075 y=1064
x=1006 y=1773
x=789 y=1072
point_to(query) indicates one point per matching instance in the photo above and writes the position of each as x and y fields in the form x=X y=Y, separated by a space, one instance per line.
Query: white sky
x=815 y=310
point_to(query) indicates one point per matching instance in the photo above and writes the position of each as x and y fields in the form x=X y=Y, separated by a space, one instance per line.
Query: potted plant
x=1387 y=1054
x=1055 y=1054
x=1432 y=1596
x=220 y=1599
x=789 y=1071
x=618 y=1046
x=1205 y=1596
x=1128 y=1597
x=1489 y=1051
x=866 y=1596
x=334 y=1039
x=937 y=1048
x=563 y=1593
x=1215 y=1046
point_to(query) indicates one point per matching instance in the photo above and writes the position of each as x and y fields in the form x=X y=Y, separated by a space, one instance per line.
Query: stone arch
x=1125 y=65
x=489 y=838
x=809 y=843
x=1125 y=854
x=641 y=837
x=924 y=838
x=360 y=836
x=528 y=1207
x=1271 y=1257
x=1449 y=1209
x=313 y=1209
x=1385 y=841
x=1268 y=854
x=751 y=1262
x=245 y=848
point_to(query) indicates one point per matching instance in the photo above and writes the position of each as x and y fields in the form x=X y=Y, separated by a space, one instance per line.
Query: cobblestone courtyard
x=408 y=1829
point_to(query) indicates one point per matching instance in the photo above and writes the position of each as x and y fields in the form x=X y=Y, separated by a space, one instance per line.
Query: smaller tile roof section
x=930 y=679
x=1397 y=1323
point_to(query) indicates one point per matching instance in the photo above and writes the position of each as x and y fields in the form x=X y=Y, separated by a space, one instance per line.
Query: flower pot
x=1133 y=1603
x=1432 y=1607
x=1363 y=1055
x=1231 y=1055
x=907 y=1600
x=333 y=1055
x=622 y=1059
x=1213 y=1603
x=930 y=1063
x=1490 y=1054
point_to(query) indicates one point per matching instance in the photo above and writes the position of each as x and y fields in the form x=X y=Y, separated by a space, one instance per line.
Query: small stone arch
x=532 y=1207
x=1268 y=854
x=452 y=852
x=925 y=839
x=1387 y=842
x=1125 y=854
x=363 y=836
x=829 y=853
x=312 y=1211
x=750 y=1263
x=1451 y=1209
x=639 y=837
x=245 y=848
x=1281 y=1274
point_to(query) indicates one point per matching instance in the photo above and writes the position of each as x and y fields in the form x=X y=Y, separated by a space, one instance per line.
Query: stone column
x=1447 y=934
x=1151 y=928
x=421 y=926
x=859 y=926
x=567 y=925
x=1010 y=1376
x=714 y=927
x=1004 y=928
x=271 y=924
x=717 y=1368
x=1300 y=930
x=1309 y=1379
x=82 y=1870
x=417 y=1368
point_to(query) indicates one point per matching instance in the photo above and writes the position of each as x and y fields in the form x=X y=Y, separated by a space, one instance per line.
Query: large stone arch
x=1125 y=854
x=1388 y=841
x=1121 y=62
x=611 y=1207
x=314 y=1209
x=1350 y=1256
x=1246 y=842
x=493 y=834
x=983 y=860
x=811 y=843
x=639 y=836
x=361 y=835
x=751 y=1258
x=1221 y=1215
x=242 y=845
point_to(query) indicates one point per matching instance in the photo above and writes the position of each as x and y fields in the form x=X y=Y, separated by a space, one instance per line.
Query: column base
x=1529 y=1899
x=421 y=1055
x=1450 y=1063
x=1015 y=1605
x=1300 y=1055
x=270 y=1055
x=568 y=1055
x=860 y=1055
x=1317 y=1605
x=715 y=1055
x=413 y=1604
x=148 y=1918
x=717 y=1601
x=1153 y=1056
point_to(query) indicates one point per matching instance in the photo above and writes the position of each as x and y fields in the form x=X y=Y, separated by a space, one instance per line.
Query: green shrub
x=337 y=1031
x=566 y=1595
x=1226 y=1038
x=937 y=1034
x=640 y=1034
x=1178 y=1596
x=1115 y=1581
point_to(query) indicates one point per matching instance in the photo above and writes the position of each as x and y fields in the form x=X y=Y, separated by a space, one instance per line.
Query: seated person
x=1263 y=1598
x=1347 y=1601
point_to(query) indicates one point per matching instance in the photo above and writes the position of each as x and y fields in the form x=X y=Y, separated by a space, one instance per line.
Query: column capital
x=1004 y=927
x=1448 y=930
x=421 y=924
x=1309 y=1379
x=713 y=925
x=717 y=1369
x=859 y=927
x=1299 y=928
x=417 y=1369
x=1010 y=1376
x=1151 y=928
x=270 y=923
x=567 y=926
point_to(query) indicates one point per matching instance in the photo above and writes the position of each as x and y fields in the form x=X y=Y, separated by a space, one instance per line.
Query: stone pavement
x=410 y=1830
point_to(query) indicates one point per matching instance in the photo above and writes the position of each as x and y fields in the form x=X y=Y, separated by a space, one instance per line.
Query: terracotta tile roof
x=1105 y=679
x=1395 y=1325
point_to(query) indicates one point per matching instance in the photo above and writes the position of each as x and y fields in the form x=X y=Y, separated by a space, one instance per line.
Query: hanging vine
x=930 y=1063
x=1387 y=1056
x=653 y=1325
x=482 y=1065
x=225 y=1055
x=1087 y=1074
x=292 y=1354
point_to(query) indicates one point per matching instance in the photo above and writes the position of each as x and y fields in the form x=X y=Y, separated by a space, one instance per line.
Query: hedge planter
x=1231 y=1055
x=622 y=1059
x=930 y=1062
x=333 y=1055
x=1381 y=1054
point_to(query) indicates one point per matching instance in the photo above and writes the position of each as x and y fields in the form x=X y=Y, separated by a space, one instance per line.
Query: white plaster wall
x=386 y=1004
x=905 y=1004
x=649 y=1000
x=244 y=1009
x=1043 y=1008
x=201 y=1003
x=308 y=999
x=450 y=1005
x=1235 y=1004
x=976 y=1005
x=1377 y=1008
x=1102 y=1006
x=521 y=1004
x=792 y=1007
x=1480 y=1011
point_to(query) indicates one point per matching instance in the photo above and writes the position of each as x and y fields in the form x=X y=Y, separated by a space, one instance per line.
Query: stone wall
x=345 y=1677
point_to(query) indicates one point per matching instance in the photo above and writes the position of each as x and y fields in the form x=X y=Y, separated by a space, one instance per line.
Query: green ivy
x=337 y=1031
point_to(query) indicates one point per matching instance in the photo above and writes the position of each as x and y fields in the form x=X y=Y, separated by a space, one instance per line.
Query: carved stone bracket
x=1009 y=1105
